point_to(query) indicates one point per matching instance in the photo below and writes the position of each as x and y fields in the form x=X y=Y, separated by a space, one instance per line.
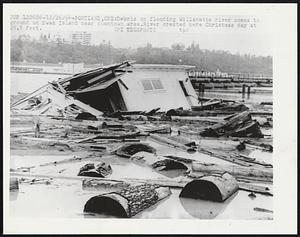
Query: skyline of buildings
x=74 y=37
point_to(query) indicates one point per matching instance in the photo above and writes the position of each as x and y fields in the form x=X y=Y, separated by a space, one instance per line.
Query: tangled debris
x=99 y=170
x=234 y=129
x=240 y=125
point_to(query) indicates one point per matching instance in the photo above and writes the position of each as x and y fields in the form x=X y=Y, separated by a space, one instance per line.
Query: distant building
x=81 y=37
x=50 y=68
x=52 y=38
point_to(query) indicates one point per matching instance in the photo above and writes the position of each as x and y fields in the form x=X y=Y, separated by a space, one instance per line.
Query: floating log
x=109 y=133
x=197 y=118
x=36 y=181
x=255 y=188
x=129 y=149
x=119 y=114
x=127 y=202
x=261 y=113
x=216 y=105
x=264 y=146
x=168 y=141
x=254 y=161
x=94 y=146
x=103 y=184
x=262 y=209
x=225 y=156
x=163 y=129
x=217 y=187
x=178 y=183
x=236 y=171
x=266 y=103
x=180 y=159
x=173 y=112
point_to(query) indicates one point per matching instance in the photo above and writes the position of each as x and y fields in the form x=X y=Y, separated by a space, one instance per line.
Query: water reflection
x=172 y=173
x=96 y=215
x=13 y=195
x=203 y=209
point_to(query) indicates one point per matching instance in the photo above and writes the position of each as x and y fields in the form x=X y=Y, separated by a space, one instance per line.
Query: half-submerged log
x=127 y=202
x=240 y=125
x=100 y=170
x=129 y=149
x=158 y=163
x=217 y=187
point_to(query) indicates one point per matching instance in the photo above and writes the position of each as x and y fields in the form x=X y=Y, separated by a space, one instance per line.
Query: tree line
x=105 y=53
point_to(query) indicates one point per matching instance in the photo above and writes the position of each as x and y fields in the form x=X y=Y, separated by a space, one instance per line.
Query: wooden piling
x=244 y=89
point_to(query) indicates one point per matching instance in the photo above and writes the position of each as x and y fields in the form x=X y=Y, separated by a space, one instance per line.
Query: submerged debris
x=240 y=125
x=100 y=170
x=262 y=210
x=241 y=146
x=158 y=163
x=252 y=195
x=129 y=149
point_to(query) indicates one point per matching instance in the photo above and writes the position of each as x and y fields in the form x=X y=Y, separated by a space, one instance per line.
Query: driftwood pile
x=239 y=125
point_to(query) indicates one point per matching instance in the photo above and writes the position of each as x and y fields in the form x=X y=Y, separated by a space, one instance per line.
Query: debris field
x=203 y=153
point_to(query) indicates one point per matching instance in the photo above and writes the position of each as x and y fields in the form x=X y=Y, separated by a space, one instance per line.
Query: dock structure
x=213 y=80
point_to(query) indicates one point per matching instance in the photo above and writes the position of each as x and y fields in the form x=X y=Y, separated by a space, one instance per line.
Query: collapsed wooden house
x=119 y=87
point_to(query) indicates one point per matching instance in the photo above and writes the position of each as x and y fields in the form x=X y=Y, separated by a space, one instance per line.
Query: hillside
x=207 y=60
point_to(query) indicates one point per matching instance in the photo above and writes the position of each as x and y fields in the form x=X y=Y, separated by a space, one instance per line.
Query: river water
x=66 y=198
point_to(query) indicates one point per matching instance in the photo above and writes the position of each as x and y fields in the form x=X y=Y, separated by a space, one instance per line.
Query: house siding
x=170 y=97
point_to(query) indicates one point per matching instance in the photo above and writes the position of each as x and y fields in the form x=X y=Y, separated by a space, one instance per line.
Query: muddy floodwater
x=65 y=197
